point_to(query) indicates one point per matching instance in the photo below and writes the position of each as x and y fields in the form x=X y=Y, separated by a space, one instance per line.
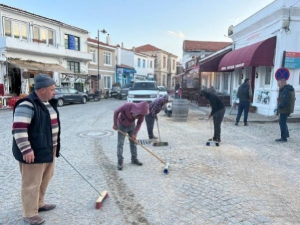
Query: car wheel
x=83 y=100
x=60 y=102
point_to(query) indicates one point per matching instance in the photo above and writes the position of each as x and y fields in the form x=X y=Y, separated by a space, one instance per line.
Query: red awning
x=212 y=63
x=258 y=54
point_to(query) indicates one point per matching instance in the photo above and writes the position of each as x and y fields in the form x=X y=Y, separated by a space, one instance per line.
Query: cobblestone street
x=248 y=179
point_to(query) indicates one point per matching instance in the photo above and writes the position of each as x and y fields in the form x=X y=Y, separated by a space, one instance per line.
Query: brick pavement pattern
x=249 y=179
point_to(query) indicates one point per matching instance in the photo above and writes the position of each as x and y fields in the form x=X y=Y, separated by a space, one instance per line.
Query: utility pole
x=98 y=58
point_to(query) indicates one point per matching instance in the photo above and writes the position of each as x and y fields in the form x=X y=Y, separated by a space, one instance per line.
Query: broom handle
x=158 y=131
x=142 y=147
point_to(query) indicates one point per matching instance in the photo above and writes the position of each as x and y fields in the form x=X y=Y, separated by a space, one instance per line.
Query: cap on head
x=42 y=81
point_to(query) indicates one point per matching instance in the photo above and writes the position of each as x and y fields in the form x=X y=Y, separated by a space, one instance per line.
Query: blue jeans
x=150 y=125
x=283 y=126
x=121 y=138
x=243 y=106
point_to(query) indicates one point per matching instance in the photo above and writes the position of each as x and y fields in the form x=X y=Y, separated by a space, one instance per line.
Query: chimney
x=122 y=45
x=108 y=39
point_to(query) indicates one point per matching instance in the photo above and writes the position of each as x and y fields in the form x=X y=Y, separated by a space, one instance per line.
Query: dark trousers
x=150 y=124
x=283 y=126
x=243 y=106
x=218 y=118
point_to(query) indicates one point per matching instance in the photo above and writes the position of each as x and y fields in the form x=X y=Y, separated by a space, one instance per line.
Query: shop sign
x=292 y=60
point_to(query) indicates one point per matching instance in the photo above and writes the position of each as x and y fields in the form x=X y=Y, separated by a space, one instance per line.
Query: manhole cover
x=95 y=133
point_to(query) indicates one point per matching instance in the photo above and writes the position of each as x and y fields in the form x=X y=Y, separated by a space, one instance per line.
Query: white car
x=143 y=91
x=162 y=90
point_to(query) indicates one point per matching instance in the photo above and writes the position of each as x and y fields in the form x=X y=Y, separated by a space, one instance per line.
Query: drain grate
x=144 y=142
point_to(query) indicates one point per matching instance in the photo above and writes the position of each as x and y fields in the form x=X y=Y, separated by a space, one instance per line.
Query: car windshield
x=162 y=89
x=144 y=86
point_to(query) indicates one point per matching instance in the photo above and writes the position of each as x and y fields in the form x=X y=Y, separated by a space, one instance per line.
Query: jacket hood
x=289 y=87
x=245 y=85
x=141 y=108
x=205 y=94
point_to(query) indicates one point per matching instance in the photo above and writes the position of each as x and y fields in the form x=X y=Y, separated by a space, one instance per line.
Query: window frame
x=94 y=55
x=16 y=26
x=107 y=56
x=107 y=79
x=67 y=38
x=72 y=66
x=43 y=32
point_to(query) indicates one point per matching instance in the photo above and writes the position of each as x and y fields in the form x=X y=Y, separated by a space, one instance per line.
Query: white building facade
x=144 y=66
x=31 y=44
x=266 y=46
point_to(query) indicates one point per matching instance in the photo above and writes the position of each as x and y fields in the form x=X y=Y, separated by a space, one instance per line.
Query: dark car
x=124 y=90
x=69 y=95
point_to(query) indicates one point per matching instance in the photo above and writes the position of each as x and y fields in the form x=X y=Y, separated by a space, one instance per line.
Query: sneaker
x=47 y=207
x=154 y=137
x=245 y=124
x=236 y=124
x=281 y=140
x=34 y=220
x=120 y=165
x=137 y=162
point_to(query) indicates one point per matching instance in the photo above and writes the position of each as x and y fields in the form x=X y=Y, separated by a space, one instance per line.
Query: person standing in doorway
x=154 y=108
x=36 y=142
x=124 y=120
x=286 y=104
x=177 y=87
x=244 y=94
x=217 y=112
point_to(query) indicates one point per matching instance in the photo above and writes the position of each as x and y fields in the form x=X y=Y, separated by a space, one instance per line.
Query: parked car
x=162 y=90
x=66 y=95
x=125 y=89
x=143 y=91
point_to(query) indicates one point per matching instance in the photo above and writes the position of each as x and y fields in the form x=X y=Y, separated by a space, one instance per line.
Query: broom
x=160 y=143
x=103 y=194
x=166 y=168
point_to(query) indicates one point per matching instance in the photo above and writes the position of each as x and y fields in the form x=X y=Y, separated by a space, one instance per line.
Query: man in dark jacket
x=217 y=112
x=244 y=94
x=286 y=103
x=36 y=142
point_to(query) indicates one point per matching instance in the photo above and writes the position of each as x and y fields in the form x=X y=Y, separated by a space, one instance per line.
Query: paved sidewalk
x=230 y=115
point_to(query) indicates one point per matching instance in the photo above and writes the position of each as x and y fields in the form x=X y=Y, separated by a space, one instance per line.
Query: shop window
x=107 y=58
x=74 y=66
x=226 y=82
x=268 y=75
x=72 y=42
x=107 y=82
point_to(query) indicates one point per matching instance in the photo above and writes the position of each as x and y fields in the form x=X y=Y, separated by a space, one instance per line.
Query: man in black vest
x=36 y=142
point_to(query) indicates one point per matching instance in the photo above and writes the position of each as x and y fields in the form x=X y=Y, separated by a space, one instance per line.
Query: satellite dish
x=230 y=30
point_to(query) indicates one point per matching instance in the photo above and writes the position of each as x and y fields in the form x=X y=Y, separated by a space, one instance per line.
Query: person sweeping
x=217 y=112
x=124 y=121
x=154 y=107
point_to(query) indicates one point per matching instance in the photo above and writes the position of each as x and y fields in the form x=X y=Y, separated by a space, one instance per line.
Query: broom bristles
x=160 y=144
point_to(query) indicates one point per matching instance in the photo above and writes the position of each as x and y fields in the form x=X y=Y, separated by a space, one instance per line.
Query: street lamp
x=103 y=32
